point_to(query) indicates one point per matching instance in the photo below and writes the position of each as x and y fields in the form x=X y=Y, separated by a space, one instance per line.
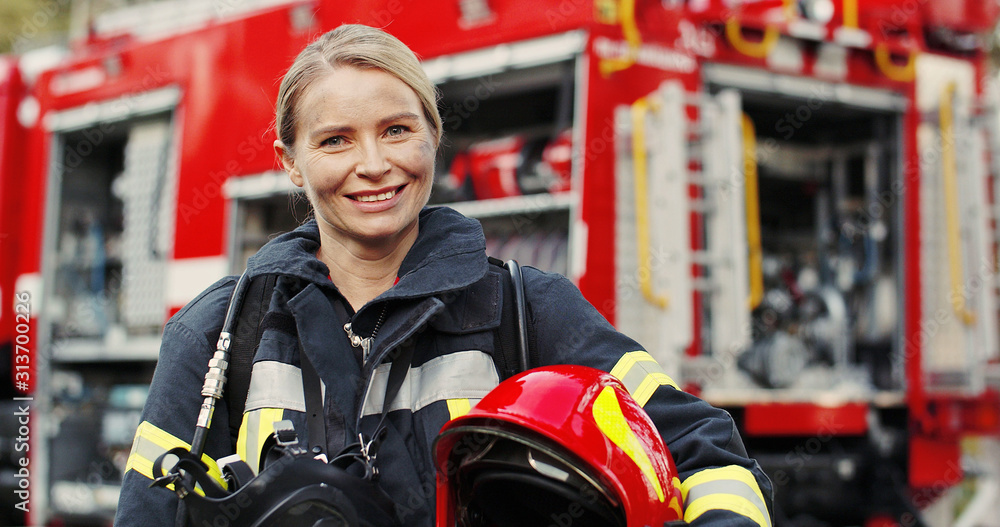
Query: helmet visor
x=516 y=481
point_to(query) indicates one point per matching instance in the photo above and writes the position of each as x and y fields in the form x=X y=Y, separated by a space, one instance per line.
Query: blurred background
x=792 y=204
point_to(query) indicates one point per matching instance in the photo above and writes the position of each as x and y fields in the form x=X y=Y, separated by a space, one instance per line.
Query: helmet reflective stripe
x=460 y=375
x=641 y=375
x=610 y=420
x=732 y=488
x=458 y=407
x=257 y=426
x=151 y=442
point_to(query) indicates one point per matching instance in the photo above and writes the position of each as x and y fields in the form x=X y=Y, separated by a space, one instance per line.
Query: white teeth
x=381 y=197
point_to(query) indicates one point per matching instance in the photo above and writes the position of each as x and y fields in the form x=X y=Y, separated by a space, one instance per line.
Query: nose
x=373 y=163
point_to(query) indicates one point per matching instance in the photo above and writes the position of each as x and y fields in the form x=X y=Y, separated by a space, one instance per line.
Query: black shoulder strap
x=515 y=337
x=312 y=390
x=243 y=348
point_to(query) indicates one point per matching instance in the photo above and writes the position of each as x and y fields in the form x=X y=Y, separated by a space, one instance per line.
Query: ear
x=288 y=162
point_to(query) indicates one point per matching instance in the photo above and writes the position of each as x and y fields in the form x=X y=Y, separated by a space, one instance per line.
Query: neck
x=363 y=271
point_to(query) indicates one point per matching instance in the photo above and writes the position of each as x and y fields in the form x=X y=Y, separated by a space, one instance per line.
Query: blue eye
x=334 y=141
x=396 y=130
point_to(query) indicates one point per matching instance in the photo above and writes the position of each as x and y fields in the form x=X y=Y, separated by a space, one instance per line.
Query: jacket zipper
x=380 y=356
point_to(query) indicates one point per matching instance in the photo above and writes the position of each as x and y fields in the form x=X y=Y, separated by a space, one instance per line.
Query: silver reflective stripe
x=634 y=377
x=460 y=375
x=147 y=449
x=728 y=488
x=275 y=384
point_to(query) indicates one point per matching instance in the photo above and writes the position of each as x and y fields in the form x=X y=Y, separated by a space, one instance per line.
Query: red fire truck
x=791 y=204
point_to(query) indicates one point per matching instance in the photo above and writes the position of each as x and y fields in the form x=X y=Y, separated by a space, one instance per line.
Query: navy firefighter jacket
x=448 y=301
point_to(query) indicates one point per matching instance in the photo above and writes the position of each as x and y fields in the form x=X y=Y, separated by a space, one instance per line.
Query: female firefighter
x=375 y=271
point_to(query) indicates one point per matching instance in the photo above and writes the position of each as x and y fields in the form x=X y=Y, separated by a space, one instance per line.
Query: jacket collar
x=449 y=254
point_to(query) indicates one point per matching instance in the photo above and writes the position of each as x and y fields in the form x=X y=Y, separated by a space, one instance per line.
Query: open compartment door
x=653 y=224
x=958 y=325
x=727 y=224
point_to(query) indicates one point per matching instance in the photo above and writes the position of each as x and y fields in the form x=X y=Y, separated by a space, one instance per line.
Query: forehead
x=348 y=92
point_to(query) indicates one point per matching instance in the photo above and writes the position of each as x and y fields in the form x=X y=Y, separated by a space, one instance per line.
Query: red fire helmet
x=560 y=445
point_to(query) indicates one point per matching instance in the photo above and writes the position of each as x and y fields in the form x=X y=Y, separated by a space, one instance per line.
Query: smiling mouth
x=377 y=197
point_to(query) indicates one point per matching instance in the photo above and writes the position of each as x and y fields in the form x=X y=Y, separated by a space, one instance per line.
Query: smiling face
x=364 y=153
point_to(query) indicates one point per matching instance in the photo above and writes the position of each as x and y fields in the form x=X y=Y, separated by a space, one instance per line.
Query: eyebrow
x=327 y=130
x=397 y=117
x=331 y=130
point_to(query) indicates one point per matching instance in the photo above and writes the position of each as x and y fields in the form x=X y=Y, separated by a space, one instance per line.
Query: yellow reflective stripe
x=736 y=480
x=649 y=385
x=726 y=502
x=458 y=407
x=610 y=420
x=151 y=442
x=676 y=482
x=137 y=460
x=641 y=375
x=257 y=426
x=241 y=439
x=268 y=416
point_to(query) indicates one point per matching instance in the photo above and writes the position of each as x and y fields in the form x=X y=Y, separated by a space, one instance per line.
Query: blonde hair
x=359 y=46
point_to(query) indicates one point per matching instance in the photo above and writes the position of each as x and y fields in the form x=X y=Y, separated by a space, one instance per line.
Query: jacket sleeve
x=171 y=410
x=722 y=486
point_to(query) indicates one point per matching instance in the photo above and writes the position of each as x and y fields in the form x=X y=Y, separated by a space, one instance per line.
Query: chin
x=381 y=233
